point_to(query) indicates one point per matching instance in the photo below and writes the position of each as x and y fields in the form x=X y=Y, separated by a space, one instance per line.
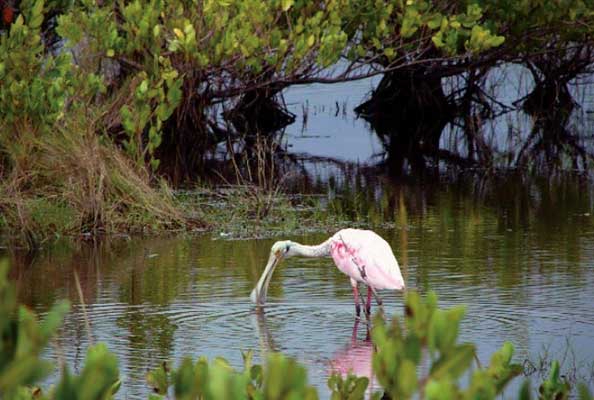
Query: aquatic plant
x=429 y=331
x=283 y=378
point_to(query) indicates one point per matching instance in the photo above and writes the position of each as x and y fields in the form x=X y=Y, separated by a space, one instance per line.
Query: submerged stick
x=84 y=308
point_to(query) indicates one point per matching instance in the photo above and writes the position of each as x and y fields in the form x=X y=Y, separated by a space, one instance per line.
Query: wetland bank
x=152 y=152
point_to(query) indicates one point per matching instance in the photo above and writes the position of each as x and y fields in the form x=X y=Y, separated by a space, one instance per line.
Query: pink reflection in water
x=355 y=358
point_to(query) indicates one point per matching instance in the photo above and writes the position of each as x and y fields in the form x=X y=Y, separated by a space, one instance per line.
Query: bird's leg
x=368 y=307
x=378 y=299
x=354 y=334
x=356 y=296
x=367 y=316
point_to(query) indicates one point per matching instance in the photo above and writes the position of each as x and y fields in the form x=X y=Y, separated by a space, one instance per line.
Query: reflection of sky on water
x=333 y=130
x=342 y=137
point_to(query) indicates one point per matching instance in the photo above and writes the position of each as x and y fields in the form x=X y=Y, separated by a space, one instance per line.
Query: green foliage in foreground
x=283 y=378
x=433 y=332
x=23 y=338
x=401 y=348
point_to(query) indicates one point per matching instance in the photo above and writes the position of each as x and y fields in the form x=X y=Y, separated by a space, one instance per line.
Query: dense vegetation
x=102 y=102
x=428 y=337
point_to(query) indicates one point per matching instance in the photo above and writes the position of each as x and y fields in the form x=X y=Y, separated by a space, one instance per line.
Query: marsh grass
x=228 y=213
x=74 y=181
x=231 y=211
x=258 y=180
x=572 y=369
x=256 y=199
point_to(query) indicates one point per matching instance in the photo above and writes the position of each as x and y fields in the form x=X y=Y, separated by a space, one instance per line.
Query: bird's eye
x=287 y=249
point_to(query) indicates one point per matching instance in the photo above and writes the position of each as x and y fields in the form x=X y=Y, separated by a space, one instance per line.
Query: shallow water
x=524 y=268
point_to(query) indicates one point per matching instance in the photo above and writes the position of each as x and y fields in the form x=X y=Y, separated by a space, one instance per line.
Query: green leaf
x=525 y=391
x=115 y=388
x=37 y=8
x=435 y=21
x=358 y=391
x=441 y=390
x=496 y=41
x=584 y=392
x=443 y=328
x=454 y=363
x=412 y=348
x=143 y=87
x=407 y=378
x=158 y=379
x=287 y=4
x=437 y=40
x=183 y=377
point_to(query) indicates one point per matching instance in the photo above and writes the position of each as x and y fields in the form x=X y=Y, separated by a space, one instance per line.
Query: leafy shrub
x=23 y=338
x=177 y=59
x=433 y=332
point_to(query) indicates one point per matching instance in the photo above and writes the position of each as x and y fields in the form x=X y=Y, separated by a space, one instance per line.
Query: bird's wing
x=373 y=257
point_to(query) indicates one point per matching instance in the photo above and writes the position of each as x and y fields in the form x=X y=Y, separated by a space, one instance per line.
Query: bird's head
x=282 y=249
x=278 y=251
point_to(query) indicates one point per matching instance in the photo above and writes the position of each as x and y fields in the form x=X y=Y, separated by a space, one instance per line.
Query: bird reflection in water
x=266 y=341
x=354 y=358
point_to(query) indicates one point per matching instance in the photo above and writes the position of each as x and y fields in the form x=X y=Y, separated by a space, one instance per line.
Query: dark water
x=517 y=250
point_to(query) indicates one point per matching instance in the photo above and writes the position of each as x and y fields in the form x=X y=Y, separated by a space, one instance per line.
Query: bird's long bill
x=258 y=295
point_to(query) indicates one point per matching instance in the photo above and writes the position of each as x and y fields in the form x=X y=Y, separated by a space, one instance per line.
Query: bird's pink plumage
x=366 y=257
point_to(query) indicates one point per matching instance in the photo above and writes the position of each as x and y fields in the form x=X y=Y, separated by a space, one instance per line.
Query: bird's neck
x=320 y=250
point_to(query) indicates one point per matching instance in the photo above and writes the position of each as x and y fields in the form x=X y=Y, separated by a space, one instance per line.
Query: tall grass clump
x=78 y=182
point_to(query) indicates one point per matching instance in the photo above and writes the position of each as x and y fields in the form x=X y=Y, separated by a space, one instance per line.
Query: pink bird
x=362 y=255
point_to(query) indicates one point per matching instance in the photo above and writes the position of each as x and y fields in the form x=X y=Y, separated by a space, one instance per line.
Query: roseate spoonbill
x=362 y=255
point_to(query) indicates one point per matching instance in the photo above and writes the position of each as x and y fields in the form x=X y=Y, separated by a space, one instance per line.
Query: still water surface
x=524 y=266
